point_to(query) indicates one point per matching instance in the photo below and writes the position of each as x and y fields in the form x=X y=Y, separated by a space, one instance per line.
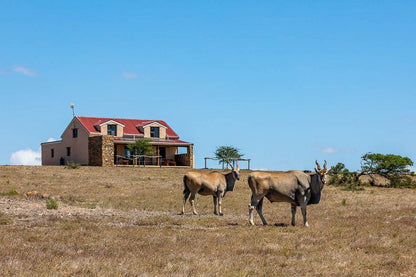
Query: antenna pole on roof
x=72 y=105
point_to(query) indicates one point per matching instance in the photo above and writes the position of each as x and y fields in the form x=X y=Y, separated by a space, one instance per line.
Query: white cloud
x=51 y=139
x=330 y=150
x=26 y=157
x=129 y=75
x=24 y=70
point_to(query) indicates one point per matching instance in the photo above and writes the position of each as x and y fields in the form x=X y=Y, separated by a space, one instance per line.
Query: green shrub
x=347 y=180
x=4 y=220
x=353 y=186
x=11 y=192
x=72 y=165
x=51 y=204
x=402 y=181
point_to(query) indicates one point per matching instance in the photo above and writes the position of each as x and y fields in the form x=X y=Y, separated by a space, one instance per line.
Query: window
x=154 y=132
x=112 y=130
x=52 y=153
x=68 y=151
x=75 y=133
x=127 y=151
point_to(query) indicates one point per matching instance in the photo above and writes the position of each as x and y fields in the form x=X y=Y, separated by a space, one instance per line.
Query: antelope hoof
x=306 y=224
x=251 y=223
x=215 y=213
x=221 y=214
x=195 y=213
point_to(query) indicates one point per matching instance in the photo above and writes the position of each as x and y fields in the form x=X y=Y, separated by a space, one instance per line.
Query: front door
x=162 y=152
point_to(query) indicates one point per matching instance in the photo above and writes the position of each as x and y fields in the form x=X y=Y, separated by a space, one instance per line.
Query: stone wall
x=186 y=159
x=101 y=151
x=180 y=159
x=191 y=156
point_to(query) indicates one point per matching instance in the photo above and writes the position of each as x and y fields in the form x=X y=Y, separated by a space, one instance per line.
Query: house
x=98 y=141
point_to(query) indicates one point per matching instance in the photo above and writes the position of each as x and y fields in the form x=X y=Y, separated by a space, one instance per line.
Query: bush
x=402 y=181
x=4 y=220
x=11 y=192
x=51 y=204
x=72 y=165
x=348 y=180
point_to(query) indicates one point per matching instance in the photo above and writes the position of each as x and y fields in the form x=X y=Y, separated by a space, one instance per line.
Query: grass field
x=125 y=221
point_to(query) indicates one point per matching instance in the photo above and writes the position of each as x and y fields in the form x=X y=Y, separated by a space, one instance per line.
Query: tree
x=141 y=147
x=224 y=153
x=393 y=167
x=385 y=165
x=338 y=168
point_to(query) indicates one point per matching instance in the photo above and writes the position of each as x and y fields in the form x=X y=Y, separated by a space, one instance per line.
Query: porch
x=163 y=155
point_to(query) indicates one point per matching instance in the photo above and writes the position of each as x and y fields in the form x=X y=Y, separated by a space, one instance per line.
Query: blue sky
x=287 y=82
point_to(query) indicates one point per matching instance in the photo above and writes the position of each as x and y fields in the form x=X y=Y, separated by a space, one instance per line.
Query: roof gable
x=113 y=122
x=154 y=123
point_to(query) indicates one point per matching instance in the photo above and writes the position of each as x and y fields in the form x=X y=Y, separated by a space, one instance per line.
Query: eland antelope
x=295 y=187
x=214 y=183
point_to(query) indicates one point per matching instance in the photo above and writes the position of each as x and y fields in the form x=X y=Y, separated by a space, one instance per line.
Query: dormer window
x=154 y=132
x=112 y=130
x=154 y=129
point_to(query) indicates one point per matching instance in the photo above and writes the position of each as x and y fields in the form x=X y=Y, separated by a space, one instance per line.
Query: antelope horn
x=317 y=164
x=229 y=163
x=325 y=165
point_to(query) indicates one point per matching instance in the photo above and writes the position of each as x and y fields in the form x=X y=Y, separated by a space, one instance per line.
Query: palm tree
x=224 y=153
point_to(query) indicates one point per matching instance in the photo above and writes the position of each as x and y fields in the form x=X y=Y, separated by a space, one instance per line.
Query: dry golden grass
x=124 y=221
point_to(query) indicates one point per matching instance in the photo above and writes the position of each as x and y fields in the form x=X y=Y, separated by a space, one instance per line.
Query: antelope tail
x=185 y=187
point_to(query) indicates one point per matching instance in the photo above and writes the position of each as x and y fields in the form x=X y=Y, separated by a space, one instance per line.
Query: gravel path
x=27 y=211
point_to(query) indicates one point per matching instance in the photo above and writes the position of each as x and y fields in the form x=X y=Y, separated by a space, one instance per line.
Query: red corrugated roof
x=130 y=125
